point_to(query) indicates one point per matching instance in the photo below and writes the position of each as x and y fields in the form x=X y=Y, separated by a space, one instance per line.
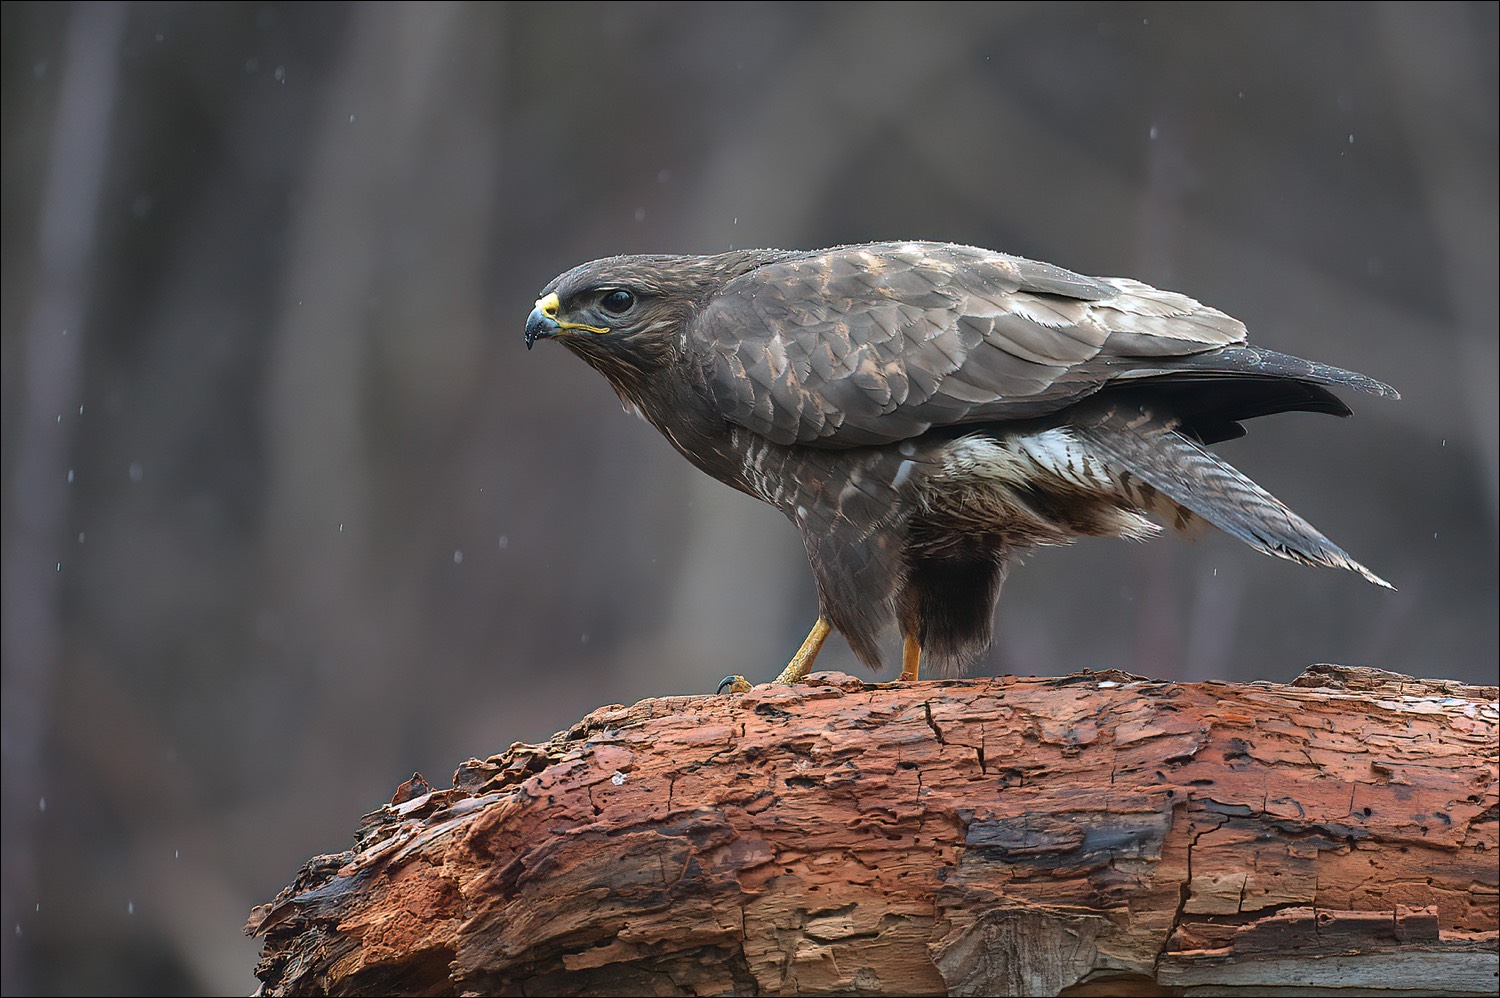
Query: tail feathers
x=1259 y=364
x=1209 y=487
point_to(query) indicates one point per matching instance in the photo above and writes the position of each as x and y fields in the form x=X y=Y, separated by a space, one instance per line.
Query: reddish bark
x=1092 y=834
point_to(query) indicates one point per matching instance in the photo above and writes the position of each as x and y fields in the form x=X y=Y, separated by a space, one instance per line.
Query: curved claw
x=736 y=684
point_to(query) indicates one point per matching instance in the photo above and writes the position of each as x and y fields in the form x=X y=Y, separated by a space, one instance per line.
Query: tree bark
x=1095 y=834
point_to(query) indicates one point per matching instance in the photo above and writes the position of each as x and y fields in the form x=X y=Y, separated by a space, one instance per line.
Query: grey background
x=289 y=512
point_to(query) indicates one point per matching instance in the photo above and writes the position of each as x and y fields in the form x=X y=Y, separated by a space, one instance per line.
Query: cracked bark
x=1096 y=834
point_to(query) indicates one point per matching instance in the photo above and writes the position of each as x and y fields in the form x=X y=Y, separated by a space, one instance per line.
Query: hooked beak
x=543 y=322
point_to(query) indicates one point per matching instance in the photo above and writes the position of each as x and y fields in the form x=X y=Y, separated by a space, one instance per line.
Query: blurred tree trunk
x=1096 y=834
x=38 y=475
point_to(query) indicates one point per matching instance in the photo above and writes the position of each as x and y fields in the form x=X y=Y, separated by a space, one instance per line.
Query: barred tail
x=1209 y=487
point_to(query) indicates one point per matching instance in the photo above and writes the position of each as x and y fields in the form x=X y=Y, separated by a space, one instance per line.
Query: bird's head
x=632 y=306
x=604 y=308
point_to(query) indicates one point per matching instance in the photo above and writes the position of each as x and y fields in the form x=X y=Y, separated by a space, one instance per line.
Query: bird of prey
x=926 y=414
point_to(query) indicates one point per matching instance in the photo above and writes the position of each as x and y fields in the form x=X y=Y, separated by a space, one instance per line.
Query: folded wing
x=867 y=345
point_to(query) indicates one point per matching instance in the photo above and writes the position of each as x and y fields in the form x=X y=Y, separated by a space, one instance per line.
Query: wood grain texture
x=1096 y=834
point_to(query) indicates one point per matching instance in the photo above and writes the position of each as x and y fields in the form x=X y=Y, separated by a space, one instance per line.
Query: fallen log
x=1094 y=834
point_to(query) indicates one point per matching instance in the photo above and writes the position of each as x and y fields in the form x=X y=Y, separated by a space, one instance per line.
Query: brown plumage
x=926 y=413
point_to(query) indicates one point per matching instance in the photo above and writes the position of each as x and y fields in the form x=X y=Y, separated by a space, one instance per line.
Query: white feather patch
x=1023 y=459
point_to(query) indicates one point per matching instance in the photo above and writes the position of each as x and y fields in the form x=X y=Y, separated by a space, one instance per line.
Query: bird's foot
x=911 y=666
x=735 y=684
x=797 y=669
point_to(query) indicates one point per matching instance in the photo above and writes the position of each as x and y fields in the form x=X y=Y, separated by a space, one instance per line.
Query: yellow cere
x=549 y=306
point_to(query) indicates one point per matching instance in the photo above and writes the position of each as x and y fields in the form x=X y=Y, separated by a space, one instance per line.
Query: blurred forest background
x=289 y=511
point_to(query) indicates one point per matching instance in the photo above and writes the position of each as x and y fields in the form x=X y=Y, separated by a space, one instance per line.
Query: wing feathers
x=1039 y=344
x=894 y=337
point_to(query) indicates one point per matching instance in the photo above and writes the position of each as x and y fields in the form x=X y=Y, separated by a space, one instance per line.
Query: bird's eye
x=617 y=302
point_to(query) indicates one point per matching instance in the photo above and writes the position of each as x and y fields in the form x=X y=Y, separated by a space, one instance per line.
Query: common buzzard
x=926 y=413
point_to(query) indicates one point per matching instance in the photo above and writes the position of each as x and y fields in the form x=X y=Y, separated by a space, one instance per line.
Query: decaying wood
x=1097 y=834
